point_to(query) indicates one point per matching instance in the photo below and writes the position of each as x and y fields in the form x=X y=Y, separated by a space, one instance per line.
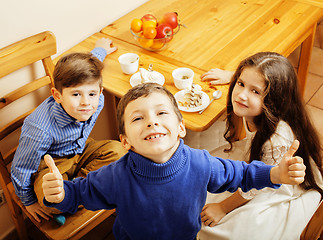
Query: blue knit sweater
x=161 y=201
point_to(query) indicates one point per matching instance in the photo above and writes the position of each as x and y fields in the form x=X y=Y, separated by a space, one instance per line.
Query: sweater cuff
x=64 y=205
x=265 y=182
x=100 y=53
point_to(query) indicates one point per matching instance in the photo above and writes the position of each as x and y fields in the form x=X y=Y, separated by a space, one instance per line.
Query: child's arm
x=33 y=144
x=217 y=76
x=66 y=196
x=103 y=48
x=291 y=170
x=212 y=213
x=53 y=185
x=229 y=175
x=106 y=44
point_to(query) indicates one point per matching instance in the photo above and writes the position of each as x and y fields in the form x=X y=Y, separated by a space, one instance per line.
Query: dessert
x=192 y=97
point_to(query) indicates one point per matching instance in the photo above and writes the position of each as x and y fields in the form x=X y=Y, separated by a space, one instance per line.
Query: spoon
x=216 y=95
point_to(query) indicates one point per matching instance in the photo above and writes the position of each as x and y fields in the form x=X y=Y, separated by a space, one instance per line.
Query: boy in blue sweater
x=60 y=126
x=159 y=187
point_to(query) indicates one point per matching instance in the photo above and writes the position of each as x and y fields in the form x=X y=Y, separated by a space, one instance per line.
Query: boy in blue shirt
x=159 y=187
x=60 y=126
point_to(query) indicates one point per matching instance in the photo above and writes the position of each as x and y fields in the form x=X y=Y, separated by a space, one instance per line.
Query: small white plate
x=136 y=79
x=179 y=96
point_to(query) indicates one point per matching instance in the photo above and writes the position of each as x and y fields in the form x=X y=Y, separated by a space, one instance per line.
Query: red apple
x=171 y=19
x=164 y=31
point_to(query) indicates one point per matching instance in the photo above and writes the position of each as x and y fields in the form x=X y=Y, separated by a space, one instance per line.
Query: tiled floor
x=313 y=95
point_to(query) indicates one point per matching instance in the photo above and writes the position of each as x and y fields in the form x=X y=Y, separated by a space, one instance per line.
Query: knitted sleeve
x=100 y=53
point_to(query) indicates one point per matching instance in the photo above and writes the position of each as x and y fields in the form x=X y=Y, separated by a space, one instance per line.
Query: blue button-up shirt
x=48 y=130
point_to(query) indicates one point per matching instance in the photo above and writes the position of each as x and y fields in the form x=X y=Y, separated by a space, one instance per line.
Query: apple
x=164 y=31
x=149 y=17
x=171 y=19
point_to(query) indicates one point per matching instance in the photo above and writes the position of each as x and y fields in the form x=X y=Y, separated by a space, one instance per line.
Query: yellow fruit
x=148 y=24
x=136 y=25
x=158 y=44
x=146 y=42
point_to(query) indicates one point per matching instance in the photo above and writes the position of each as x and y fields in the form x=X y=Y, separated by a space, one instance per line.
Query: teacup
x=183 y=78
x=129 y=63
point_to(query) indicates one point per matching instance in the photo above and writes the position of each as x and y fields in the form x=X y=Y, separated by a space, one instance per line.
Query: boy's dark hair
x=77 y=68
x=143 y=90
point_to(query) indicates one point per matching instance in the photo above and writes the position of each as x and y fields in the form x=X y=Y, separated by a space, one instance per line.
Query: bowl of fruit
x=154 y=35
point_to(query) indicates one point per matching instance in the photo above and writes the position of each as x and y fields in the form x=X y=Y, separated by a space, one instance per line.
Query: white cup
x=129 y=63
x=183 y=78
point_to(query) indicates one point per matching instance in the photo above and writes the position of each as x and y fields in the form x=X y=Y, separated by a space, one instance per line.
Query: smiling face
x=81 y=101
x=152 y=128
x=248 y=94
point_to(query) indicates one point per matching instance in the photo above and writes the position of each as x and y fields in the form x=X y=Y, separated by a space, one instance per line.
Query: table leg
x=111 y=122
x=305 y=58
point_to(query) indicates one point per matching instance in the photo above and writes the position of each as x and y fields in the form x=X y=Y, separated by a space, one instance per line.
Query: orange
x=150 y=32
x=136 y=25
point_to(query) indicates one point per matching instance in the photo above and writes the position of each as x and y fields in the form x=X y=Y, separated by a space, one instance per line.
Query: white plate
x=179 y=96
x=136 y=79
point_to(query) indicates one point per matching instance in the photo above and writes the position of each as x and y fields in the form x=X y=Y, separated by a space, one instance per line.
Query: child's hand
x=53 y=186
x=291 y=170
x=37 y=211
x=217 y=76
x=106 y=44
x=211 y=214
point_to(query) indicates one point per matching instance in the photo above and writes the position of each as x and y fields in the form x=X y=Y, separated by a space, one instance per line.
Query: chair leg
x=21 y=228
x=19 y=221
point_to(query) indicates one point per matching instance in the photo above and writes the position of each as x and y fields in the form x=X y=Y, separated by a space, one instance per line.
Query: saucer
x=136 y=79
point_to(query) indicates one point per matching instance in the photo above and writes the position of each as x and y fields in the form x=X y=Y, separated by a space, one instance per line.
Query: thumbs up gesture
x=53 y=186
x=291 y=170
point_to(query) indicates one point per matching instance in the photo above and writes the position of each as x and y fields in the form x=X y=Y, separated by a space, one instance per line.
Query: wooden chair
x=314 y=228
x=12 y=58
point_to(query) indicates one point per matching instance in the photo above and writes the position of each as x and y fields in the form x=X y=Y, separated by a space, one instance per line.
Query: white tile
x=317 y=114
x=317 y=99
x=316 y=65
x=314 y=82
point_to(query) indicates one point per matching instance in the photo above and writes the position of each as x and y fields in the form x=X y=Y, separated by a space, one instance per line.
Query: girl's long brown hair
x=282 y=101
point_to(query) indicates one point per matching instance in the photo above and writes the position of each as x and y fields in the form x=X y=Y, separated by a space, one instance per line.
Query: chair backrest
x=39 y=47
x=36 y=48
x=314 y=228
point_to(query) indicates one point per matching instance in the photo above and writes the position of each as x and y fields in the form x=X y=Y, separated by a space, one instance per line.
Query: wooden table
x=220 y=34
x=318 y=3
x=117 y=83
